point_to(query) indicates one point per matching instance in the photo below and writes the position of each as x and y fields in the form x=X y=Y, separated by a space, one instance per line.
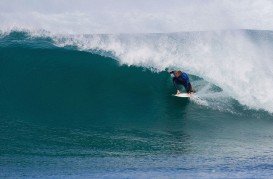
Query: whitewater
x=239 y=62
x=161 y=37
x=85 y=90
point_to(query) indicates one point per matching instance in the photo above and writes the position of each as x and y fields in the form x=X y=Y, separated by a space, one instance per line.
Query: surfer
x=181 y=78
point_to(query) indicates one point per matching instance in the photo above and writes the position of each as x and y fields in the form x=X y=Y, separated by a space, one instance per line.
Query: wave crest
x=237 y=61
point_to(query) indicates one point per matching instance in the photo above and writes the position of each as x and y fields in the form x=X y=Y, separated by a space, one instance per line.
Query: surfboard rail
x=183 y=95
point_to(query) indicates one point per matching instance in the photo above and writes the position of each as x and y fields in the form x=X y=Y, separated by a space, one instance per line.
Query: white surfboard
x=182 y=95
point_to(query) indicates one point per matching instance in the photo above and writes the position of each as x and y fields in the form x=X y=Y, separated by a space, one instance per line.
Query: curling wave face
x=85 y=93
x=59 y=104
x=237 y=62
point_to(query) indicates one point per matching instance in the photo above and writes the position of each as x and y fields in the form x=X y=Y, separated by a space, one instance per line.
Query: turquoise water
x=65 y=112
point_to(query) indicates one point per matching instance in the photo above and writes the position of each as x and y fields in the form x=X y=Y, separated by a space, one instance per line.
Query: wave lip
x=238 y=62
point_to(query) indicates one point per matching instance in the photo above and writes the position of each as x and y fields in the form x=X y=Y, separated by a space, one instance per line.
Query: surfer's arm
x=176 y=86
x=175 y=83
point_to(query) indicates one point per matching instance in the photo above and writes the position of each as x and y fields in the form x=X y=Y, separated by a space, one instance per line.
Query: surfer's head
x=176 y=73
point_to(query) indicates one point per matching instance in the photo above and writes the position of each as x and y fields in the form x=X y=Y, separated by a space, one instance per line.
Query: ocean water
x=85 y=90
x=79 y=106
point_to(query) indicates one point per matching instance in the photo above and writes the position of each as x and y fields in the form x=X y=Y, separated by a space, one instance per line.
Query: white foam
x=228 y=59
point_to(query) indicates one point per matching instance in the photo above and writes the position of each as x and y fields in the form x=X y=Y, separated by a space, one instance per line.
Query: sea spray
x=229 y=59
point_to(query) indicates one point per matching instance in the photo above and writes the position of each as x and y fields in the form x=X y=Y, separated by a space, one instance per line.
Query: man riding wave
x=182 y=78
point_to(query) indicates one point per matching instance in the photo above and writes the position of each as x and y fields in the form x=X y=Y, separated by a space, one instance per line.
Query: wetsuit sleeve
x=181 y=80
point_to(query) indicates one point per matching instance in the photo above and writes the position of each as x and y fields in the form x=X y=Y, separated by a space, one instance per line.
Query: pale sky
x=130 y=16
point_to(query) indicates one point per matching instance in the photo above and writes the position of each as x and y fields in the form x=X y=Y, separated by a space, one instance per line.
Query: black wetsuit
x=184 y=80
